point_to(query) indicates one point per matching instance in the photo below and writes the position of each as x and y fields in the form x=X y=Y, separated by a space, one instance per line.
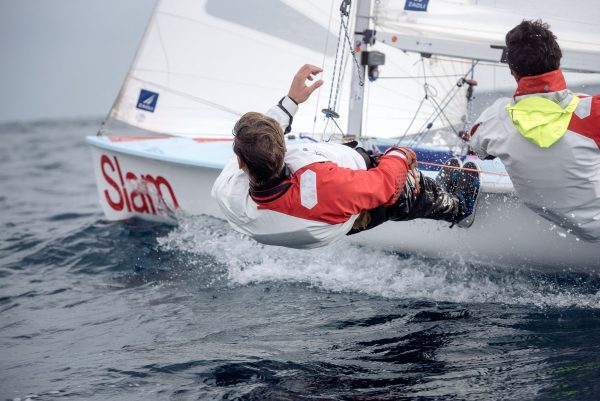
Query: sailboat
x=400 y=71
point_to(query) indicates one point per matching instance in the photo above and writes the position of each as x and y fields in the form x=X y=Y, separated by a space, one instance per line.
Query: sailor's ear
x=241 y=163
x=515 y=75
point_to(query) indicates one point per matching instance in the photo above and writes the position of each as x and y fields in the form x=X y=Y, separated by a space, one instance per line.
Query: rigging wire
x=323 y=65
x=413 y=119
x=439 y=107
x=339 y=69
x=335 y=72
x=418 y=138
x=336 y=124
x=342 y=69
x=361 y=77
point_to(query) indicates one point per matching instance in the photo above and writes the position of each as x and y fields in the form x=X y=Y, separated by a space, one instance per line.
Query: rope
x=336 y=124
x=320 y=91
x=335 y=68
x=463 y=169
x=441 y=109
x=361 y=78
x=437 y=111
x=411 y=121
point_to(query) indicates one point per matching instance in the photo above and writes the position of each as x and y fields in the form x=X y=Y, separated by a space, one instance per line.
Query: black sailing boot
x=446 y=177
x=466 y=188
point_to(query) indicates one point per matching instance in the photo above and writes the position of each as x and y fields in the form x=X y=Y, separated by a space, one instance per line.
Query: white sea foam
x=345 y=267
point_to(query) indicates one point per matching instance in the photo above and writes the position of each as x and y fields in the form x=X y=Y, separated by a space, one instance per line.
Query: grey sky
x=66 y=58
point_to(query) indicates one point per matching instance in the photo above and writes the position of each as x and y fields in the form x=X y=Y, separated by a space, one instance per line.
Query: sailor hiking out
x=309 y=194
x=547 y=136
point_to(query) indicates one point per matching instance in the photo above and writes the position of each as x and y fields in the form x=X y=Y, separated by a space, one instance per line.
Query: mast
x=357 y=91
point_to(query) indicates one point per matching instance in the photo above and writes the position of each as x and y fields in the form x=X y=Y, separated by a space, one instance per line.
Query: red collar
x=552 y=81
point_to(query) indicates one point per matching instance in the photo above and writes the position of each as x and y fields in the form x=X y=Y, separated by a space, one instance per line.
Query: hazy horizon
x=66 y=58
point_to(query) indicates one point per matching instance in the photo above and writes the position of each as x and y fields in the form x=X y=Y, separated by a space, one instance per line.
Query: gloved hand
x=411 y=157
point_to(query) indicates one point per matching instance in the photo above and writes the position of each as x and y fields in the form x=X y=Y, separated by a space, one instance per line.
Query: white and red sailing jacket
x=325 y=189
x=550 y=150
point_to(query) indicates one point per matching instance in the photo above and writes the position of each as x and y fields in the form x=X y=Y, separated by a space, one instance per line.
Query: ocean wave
x=345 y=267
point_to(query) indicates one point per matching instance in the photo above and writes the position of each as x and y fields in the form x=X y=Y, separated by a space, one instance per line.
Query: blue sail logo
x=416 y=5
x=147 y=100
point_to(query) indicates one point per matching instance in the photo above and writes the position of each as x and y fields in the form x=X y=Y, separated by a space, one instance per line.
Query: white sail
x=467 y=30
x=204 y=63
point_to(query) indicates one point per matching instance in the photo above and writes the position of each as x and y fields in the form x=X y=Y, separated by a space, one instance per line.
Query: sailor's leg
x=429 y=201
x=369 y=219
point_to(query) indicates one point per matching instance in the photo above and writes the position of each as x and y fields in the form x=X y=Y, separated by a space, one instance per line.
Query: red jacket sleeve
x=333 y=194
x=353 y=191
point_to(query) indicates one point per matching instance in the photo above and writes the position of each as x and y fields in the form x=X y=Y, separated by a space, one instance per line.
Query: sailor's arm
x=353 y=191
x=487 y=128
x=299 y=92
x=478 y=142
x=284 y=113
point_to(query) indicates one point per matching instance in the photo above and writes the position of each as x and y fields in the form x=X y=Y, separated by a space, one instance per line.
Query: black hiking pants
x=431 y=202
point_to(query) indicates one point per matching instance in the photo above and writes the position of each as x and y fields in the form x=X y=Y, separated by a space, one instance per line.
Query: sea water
x=98 y=310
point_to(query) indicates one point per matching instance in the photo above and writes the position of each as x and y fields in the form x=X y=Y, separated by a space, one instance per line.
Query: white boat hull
x=148 y=183
x=504 y=233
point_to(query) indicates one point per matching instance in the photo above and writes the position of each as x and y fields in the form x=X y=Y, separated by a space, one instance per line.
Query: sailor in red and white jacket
x=547 y=137
x=324 y=189
x=321 y=191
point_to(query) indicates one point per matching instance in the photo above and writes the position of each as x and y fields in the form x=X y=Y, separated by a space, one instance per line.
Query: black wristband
x=280 y=105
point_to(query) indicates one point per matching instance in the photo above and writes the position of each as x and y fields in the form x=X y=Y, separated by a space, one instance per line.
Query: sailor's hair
x=259 y=143
x=532 y=49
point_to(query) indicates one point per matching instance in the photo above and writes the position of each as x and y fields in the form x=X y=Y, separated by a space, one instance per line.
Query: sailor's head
x=259 y=146
x=532 y=49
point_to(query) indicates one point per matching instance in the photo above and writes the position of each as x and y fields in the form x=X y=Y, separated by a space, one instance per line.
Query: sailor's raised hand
x=299 y=92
